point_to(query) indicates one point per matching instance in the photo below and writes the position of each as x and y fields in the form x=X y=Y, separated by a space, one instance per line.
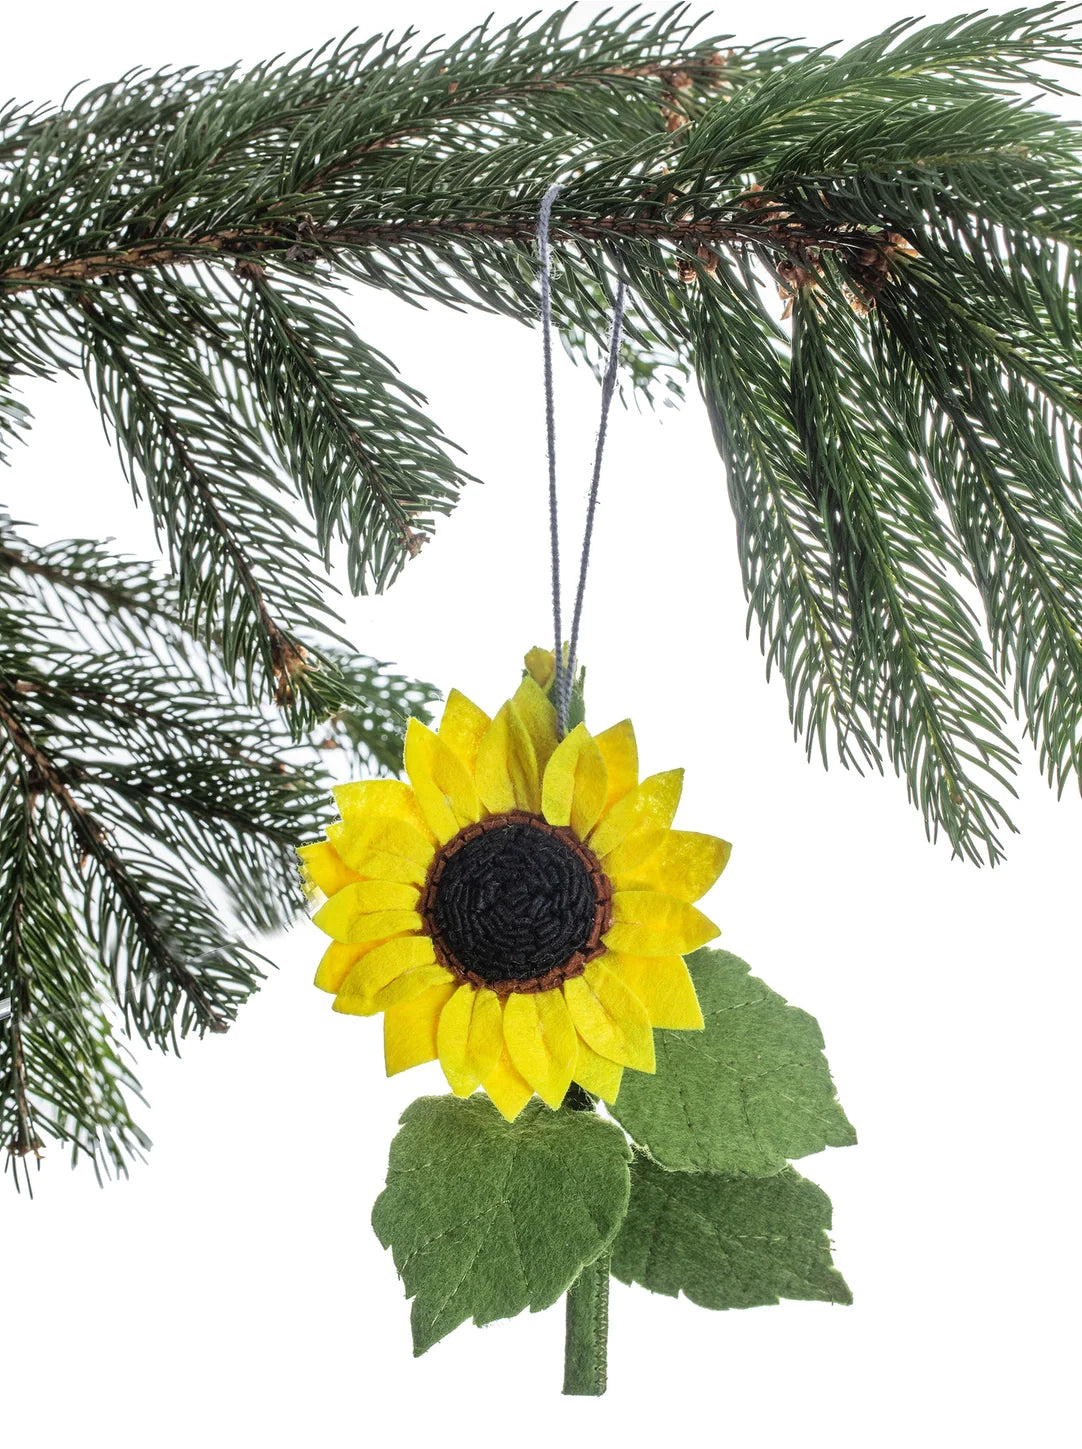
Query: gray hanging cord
x=543 y=221
x=564 y=676
x=608 y=387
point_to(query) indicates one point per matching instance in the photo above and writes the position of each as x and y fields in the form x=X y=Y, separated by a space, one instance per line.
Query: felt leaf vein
x=727 y=1242
x=500 y=1216
x=744 y=1095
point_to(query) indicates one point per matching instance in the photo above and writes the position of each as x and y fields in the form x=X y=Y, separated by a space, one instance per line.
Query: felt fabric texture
x=485 y=1219
x=610 y=1018
x=444 y=789
x=463 y=727
x=409 y=1030
x=645 y=923
x=586 y=1331
x=324 y=869
x=381 y=849
x=403 y=988
x=621 y=755
x=336 y=964
x=508 y=1090
x=632 y=823
x=470 y=1038
x=507 y=772
x=386 y=960
x=683 y=863
x=664 y=986
x=538 y=714
x=392 y=973
x=541 y=667
x=598 y=1074
x=745 y=1095
x=576 y=783
x=727 y=1242
x=510 y=1030
x=542 y=1042
x=367 y=910
x=381 y=799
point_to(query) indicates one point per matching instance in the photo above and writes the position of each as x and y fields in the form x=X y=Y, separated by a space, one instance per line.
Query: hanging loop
x=544 y=221
x=565 y=670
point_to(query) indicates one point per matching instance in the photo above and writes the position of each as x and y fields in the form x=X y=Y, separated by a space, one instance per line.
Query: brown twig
x=268 y=241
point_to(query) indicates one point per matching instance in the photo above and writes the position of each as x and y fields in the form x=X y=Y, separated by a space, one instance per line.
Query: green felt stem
x=586 y=1342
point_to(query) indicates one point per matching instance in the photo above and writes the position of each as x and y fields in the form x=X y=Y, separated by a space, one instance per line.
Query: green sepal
x=743 y=1096
x=576 y=695
x=486 y=1217
x=727 y=1242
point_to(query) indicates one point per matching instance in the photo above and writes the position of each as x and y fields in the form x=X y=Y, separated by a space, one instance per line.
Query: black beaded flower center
x=516 y=904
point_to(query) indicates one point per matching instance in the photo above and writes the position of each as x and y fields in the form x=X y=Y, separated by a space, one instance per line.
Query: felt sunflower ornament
x=624 y=1103
x=520 y=908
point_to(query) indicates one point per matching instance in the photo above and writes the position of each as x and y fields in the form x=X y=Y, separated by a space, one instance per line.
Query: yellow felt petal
x=597 y=1074
x=369 y=909
x=685 y=864
x=507 y=774
x=576 y=783
x=486 y=1032
x=610 y=1017
x=646 y=923
x=664 y=986
x=382 y=849
x=409 y=1030
x=470 y=1038
x=647 y=808
x=541 y=666
x=463 y=727
x=337 y=962
x=621 y=756
x=402 y=989
x=542 y=1041
x=452 y=1039
x=538 y=714
x=507 y=1088
x=324 y=867
x=406 y=987
x=392 y=799
x=446 y=795
x=376 y=925
x=373 y=984
x=387 y=960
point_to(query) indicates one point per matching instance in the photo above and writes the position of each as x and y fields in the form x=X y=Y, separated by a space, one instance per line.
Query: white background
x=232 y=1292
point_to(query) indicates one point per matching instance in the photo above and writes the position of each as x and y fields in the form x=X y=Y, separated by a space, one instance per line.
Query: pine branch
x=62 y=1073
x=373 y=468
x=785 y=555
x=1012 y=497
x=121 y=887
x=419 y=169
x=242 y=561
x=871 y=259
x=918 y=663
x=168 y=808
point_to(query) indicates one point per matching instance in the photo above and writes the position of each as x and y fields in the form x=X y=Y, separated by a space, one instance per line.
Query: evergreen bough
x=905 y=439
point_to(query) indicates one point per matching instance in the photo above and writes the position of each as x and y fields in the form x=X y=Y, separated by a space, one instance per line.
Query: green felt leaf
x=744 y=1095
x=727 y=1242
x=486 y=1218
